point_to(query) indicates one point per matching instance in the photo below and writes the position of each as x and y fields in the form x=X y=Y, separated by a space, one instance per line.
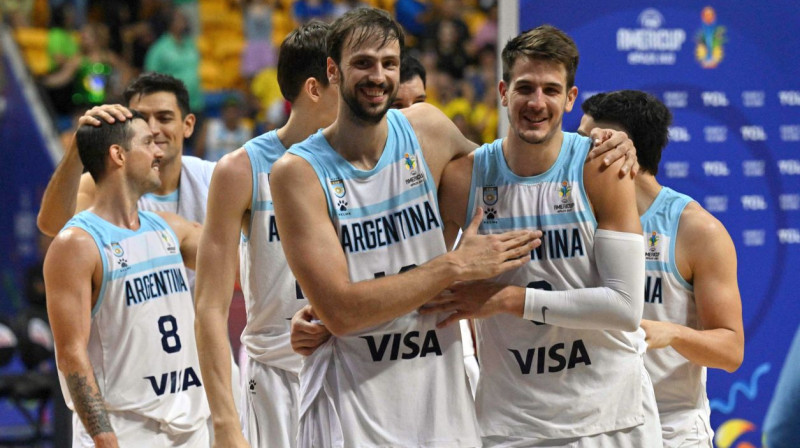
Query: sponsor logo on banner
x=715 y=99
x=789 y=167
x=753 y=237
x=753 y=98
x=753 y=202
x=790 y=133
x=753 y=133
x=753 y=168
x=679 y=134
x=709 y=40
x=716 y=168
x=715 y=134
x=650 y=44
x=789 y=202
x=677 y=169
x=789 y=236
x=789 y=97
x=716 y=203
x=676 y=99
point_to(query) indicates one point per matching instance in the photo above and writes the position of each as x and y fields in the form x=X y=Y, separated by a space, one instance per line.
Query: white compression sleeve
x=616 y=305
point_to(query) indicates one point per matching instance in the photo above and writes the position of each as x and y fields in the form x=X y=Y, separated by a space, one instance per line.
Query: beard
x=371 y=115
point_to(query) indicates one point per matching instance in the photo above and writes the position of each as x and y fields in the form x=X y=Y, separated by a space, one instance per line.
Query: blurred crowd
x=83 y=53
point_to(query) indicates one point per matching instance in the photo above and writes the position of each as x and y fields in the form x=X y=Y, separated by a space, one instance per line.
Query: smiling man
x=357 y=213
x=116 y=285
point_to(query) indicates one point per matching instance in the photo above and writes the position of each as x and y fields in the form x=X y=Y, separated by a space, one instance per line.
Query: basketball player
x=355 y=206
x=412 y=83
x=561 y=358
x=240 y=207
x=692 y=309
x=117 y=286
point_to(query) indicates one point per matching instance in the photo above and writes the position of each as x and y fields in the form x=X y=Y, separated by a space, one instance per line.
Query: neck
x=116 y=202
x=299 y=126
x=170 y=174
x=530 y=159
x=359 y=143
x=647 y=188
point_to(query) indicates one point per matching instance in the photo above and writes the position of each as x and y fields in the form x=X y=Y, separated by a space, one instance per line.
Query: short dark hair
x=361 y=25
x=94 y=141
x=302 y=56
x=411 y=67
x=644 y=118
x=152 y=82
x=544 y=42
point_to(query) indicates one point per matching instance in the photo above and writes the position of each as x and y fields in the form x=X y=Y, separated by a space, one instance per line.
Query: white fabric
x=617 y=305
x=134 y=431
x=270 y=403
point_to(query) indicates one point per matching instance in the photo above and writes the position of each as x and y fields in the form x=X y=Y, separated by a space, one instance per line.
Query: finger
x=515 y=263
x=440 y=308
x=455 y=317
x=517 y=237
x=476 y=222
x=522 y=241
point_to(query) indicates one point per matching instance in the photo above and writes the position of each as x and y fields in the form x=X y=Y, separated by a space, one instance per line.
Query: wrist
x=514 y=301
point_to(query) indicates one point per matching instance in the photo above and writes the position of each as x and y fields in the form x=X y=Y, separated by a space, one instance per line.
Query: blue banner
x=729 y=73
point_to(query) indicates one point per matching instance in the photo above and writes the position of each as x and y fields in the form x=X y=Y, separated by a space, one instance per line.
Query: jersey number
x=403 y=269
x=170 y=341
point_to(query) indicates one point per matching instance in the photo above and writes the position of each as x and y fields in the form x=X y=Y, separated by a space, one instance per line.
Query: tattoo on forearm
x=88 y=404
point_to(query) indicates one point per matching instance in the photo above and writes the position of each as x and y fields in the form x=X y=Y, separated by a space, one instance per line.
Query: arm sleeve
x=616 y=305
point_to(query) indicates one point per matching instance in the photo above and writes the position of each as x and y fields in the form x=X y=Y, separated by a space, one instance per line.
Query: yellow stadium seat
x=31 y=37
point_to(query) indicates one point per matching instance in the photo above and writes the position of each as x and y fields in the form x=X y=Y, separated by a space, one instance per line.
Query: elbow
x=735 y=361
x=45 y=226
x=630 y=324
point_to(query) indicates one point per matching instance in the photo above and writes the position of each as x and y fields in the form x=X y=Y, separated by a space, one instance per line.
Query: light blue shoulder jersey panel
x=263 y=152
x=107 y=235
x=662 y=219
x=490 y=174
x=332 y=169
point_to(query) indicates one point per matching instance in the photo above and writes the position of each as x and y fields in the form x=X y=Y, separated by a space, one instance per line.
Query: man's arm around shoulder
x=71 y=267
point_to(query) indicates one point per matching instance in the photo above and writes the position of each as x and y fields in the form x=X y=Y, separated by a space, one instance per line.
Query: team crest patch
x=490 y=195
x=116 y=249
x=167 y=241
x=337 y=187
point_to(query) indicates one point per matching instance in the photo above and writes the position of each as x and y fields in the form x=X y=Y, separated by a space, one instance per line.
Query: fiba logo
x=651 y=18
x=790 y=167
x=789 y=236
x=679 y=134
x=716 y=168
x=789 y=97
x=753 y=133
x=754 y=202
x=714 y=99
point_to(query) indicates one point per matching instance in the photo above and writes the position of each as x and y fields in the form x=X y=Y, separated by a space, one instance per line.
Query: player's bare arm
x=229 y=198
x=72 y=278
x=318 y=262
x=68 y=192
x=706 y=257
x=438 y=136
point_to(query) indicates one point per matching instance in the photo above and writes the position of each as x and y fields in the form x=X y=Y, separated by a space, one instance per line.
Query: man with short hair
x=240 y=208
x=356 y=210
x=116 y=285
x=412 y=83
x=561 y=357
x=692 y=308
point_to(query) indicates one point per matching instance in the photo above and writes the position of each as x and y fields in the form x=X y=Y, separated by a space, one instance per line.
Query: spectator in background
x=486 y=33
x=341 y=7
x=448 y=12
x=259 y=52
x=305 y=10
x=61 y=41
x=175 y=53
x=222 y=135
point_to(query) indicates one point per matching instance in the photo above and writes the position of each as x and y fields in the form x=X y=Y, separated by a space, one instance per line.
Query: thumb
x=475 y=223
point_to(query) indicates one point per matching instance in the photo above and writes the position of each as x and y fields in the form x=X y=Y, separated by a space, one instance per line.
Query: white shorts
x=270 y=403
x=646 y=435
x=134 y=430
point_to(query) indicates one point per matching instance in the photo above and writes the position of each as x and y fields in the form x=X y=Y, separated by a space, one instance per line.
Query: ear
x=313 y=89
x=332 y=71
x=572 y=95
x=188 y=125
x=503 y=89
x=117 y=155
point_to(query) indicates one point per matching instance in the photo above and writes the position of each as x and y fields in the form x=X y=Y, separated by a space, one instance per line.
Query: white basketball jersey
x=271 y=293
x=142 y=345
x=400 y=383
x=540 y=381
x=680 y=385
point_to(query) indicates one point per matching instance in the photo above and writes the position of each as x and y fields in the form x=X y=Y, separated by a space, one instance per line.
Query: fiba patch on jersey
x=414 y=177
x=167 y=241
x=116 y=249
x=337 y=188
x=653 y=251
x=567 y=204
